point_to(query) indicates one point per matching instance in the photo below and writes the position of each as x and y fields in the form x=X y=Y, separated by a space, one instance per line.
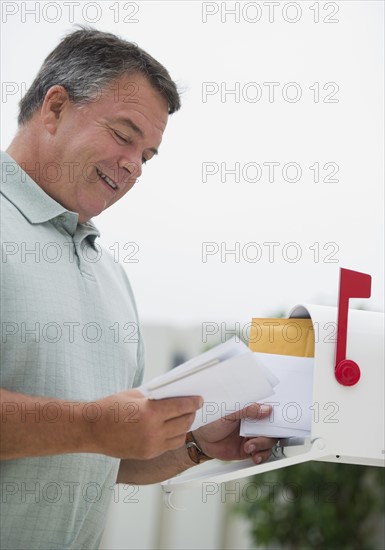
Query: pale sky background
x=171 y=211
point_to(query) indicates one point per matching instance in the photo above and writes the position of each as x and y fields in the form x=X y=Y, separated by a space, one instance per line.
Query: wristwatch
x=195 y=452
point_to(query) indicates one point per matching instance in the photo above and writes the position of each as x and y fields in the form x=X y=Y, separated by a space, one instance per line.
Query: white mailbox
x=348 y=393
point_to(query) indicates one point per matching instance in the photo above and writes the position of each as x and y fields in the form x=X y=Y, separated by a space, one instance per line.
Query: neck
x=25 y=150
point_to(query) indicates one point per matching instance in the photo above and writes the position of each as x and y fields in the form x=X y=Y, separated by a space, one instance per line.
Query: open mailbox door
x=348 y=393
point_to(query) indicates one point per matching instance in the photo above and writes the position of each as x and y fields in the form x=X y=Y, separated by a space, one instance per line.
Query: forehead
x=134 y=96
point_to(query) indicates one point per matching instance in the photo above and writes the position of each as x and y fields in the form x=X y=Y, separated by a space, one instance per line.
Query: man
x=71 y=424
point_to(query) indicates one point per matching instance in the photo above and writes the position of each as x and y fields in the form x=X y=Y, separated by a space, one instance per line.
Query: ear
x=55 y=103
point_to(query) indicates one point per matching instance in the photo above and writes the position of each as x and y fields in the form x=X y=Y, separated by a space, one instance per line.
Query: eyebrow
x=132 y=126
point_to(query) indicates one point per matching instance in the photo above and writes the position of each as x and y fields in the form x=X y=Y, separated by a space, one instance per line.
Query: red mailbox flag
x=353 y=284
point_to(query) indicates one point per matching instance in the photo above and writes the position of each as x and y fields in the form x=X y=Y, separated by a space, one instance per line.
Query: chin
x=89 y=213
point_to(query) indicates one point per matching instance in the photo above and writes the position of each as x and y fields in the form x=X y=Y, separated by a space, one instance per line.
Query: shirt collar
x=35 y=205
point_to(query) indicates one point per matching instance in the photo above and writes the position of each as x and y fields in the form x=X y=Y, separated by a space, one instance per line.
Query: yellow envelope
x=282 y=336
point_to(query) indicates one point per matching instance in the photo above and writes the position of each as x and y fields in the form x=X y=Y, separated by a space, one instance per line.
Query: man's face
x=100 y=146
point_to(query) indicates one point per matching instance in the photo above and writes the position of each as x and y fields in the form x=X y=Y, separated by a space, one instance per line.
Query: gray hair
x=89 y=60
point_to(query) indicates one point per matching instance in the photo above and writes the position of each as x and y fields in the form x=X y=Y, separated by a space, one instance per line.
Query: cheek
x=87 y=154
x=85 y=141
x=84 y=147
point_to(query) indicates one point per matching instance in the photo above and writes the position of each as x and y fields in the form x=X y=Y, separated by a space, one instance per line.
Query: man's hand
x=123 y=425
x=218 y=439
x=133 y=426
x=221 y=439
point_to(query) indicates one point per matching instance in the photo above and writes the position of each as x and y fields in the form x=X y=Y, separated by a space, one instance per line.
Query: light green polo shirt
x=69 y=329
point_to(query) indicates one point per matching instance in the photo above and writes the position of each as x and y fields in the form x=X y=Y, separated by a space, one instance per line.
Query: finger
x=179 y=425
x=255 y=411
x=133 y=393
x=175 y=407
x=176 y=442
x=257 y=444
x=261 y=456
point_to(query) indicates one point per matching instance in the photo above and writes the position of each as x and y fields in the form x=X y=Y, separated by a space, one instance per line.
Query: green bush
x=315 y=505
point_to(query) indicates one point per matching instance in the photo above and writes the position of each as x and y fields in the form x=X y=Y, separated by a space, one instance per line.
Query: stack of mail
x=277 y=368
x=228 y=377
x=286 y=348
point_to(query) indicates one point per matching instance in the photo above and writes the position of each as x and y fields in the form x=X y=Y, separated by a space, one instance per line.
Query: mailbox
x=348 y=393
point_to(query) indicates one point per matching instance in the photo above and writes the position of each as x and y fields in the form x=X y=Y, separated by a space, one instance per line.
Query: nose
x=133 y=167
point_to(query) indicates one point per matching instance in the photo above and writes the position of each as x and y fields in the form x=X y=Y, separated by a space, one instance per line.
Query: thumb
x=255 y=411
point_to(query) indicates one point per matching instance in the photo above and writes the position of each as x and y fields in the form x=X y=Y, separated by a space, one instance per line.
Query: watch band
x=195 y=452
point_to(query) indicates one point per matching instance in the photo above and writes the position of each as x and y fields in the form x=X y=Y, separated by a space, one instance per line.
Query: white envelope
x=291 y=400
x=228 y=377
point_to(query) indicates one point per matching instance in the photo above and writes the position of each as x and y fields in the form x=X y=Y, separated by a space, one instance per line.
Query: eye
x=122 y=138
x=126 y=140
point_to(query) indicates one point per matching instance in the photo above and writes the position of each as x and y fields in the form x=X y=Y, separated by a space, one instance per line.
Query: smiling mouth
x=108 y=180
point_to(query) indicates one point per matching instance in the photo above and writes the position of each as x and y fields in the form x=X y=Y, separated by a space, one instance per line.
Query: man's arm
x=218 y=439
x=38 y=426
x=124 y=425
x=144 y=472
x=147 y=435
